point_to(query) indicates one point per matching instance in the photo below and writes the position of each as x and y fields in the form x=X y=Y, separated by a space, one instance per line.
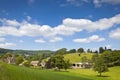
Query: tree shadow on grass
x=102 y=76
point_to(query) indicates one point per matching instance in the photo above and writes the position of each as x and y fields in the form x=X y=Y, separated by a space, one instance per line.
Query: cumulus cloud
x=89 y=25
x=56 y=39
x=69 y=26
x=40 y=41
x=8 y=22
x=93 y=38
x=7 y=45
x=99 y=3
x=115 y=34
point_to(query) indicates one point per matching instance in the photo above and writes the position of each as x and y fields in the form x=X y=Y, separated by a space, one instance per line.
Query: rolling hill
x=74 y=57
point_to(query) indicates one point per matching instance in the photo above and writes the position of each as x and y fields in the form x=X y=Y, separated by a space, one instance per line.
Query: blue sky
x=55 y=24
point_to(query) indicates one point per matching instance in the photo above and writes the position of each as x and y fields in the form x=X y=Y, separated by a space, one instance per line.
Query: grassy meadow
x=76 y=58
x=12 y=72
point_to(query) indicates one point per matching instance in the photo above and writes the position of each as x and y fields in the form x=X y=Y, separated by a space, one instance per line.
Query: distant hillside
x=76 y=58
x=3 y=51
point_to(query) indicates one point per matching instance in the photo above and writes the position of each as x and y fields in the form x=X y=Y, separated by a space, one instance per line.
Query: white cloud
x=81 y=40
x=115 y=34
x=56 y=39
x=10 y=22
x=9 y=30
x=7 y=45
x=68 y=27
x=86 y=24
x=93 y=38
x=99 y=3
x=40 y=41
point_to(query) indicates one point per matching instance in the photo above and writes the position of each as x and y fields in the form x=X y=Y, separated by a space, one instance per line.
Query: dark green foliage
x=100 y=66
x=61 y=51
x=96 y=51
x=101 y=50
x=94 y=58
x=67 y=64
x=29 y=52
x=112 y=57
x=19 y=60
x=88 y=51
x=57 y=61
x=80 y=50
x=72 y=51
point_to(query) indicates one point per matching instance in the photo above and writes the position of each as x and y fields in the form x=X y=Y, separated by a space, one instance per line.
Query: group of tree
x=108 y=58
x=58 y=62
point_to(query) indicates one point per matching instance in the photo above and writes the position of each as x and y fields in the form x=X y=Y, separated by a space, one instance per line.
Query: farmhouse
x=35 y=63
x=81 y=65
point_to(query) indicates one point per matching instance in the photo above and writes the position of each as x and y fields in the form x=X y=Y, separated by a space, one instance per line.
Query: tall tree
x=66 y=64
x=72 y=51
x=80 y=50
x=57 y=61
x=100 y=66
x=101 y=50
x=88 y=51
x=19 y=60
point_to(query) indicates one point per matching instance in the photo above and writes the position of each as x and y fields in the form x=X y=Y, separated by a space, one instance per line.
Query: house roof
x=81 y=63
x=34 y=62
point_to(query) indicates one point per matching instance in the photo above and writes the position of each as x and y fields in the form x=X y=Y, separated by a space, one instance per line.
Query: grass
x=12 y=72
x=112 y=74
x=76 y=58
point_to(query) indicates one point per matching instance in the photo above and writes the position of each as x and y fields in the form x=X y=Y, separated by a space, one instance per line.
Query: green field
x=76 y=58
x=11 y=72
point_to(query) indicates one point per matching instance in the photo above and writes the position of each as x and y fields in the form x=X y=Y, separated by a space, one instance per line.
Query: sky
x=55 y=24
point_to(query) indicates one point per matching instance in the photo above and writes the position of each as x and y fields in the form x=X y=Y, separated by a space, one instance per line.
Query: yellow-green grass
x=112 y=74
x=76 y=58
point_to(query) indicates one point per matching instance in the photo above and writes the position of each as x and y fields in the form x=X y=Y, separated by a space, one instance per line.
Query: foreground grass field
x=10 y=72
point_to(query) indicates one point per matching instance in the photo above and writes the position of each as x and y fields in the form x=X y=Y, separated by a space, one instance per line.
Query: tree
x=19 y=60
x=80 y=50
x=57 y=61
x=8 y=57
x=101 y=50
x=72 y=51
x=66 y=64
x=88 y=51
x=100 y=66
x=61 y=51
x=96 y=51
x=111 y=57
